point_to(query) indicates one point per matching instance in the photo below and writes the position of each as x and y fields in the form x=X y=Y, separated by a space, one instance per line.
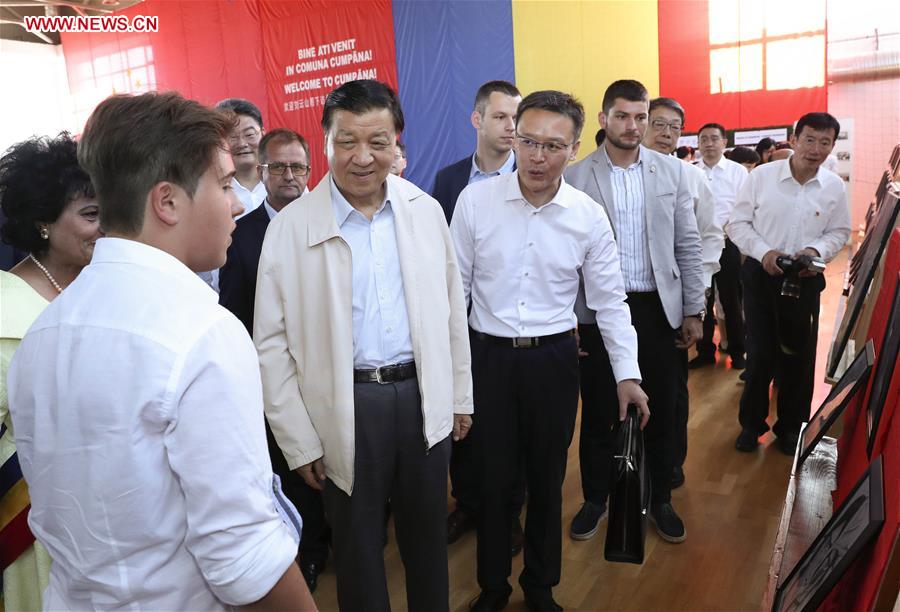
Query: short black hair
x=744 y=155
x=360 y=97
x=38 y=178
x=281 y=136
x=818 y=121
x=669 y=103
x=485 y=91
x=627 y=89
x=683 y=151
x=764 y=145
x=717 y=126
x=600 y=136
x=555 y=102
x=242 y=107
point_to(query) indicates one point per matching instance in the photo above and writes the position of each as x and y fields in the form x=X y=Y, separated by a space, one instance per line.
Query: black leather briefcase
x=629 y=497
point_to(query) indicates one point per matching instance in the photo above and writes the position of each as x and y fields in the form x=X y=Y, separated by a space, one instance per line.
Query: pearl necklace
x=46 y=273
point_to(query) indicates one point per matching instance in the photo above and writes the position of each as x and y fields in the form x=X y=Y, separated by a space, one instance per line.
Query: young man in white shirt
x=725 y=179
x=138 y=417
x=522 y=240
x=788 y=207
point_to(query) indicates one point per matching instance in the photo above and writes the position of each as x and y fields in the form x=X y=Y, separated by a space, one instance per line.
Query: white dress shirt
x=141 y=437
x=380 y=320
x=712 y=235
x=630 y=221
x=250 y=198
x=520 y=265
x=774 y=211
x=476 y=174
x=725 y=179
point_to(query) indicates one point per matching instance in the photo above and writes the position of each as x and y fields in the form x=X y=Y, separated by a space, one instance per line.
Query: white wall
x=35 y=98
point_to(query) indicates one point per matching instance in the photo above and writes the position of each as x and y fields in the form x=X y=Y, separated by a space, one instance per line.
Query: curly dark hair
x=38 y=178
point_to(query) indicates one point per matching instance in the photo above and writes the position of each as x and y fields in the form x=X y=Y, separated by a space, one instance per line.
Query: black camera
x=792 y=267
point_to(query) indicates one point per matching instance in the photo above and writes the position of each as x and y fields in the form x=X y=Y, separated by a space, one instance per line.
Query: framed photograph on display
x=883 y=371
x=876 y=241
x=853 y=379
x=852 y=526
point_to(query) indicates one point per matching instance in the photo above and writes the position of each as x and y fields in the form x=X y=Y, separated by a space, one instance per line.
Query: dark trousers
x=465 y=479
x=682 y=407
x=783 y=335
x=316 y=532
x=526 y=400
x=600 y=405
x=727 y=283
x=391 y=462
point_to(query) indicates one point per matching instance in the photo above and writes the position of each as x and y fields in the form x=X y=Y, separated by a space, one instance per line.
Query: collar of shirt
x=271 y=211
x=122 y=250
x=562 y=197
x=343 y=209
x=614 y=167
x=506 y=168
x=785 y=174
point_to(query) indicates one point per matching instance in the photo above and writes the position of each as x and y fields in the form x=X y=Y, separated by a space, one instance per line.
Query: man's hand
x=630 y=392
x=581 y=351
x=691 y=332
x=313 y=473
x=812 y=253
x=462 y=423
x=769 y=265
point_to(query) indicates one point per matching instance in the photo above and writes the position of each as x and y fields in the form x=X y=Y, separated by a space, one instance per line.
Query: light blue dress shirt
x=380 y=321
x=475 y=174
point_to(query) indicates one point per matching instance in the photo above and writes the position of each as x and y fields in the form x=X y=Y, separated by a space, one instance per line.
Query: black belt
x=386 y=374
x=526 y=343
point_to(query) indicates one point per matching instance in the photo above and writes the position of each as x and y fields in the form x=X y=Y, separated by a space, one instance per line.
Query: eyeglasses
x=248 y=135
x=278 y=168
x=660 y=126
x=710 y=139
x=551 y=148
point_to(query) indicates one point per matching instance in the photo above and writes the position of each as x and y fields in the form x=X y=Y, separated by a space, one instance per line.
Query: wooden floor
x=731 y=505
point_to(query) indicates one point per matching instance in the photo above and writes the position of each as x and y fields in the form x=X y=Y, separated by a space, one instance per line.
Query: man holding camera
x=791 y=217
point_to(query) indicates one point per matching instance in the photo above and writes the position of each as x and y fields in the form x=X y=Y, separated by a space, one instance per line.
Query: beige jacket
x=303 y=327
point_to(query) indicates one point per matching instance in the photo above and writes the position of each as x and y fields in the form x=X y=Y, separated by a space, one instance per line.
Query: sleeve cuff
x=821 y=248
x=302 y=459
x=464 y=409
x=626 y=369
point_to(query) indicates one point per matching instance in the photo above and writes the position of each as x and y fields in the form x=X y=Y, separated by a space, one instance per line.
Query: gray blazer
x=671 y=225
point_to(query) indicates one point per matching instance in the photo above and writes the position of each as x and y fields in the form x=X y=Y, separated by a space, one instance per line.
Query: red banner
x=312 y=47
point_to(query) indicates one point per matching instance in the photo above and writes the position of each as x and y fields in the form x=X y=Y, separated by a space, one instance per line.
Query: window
x=766 y=44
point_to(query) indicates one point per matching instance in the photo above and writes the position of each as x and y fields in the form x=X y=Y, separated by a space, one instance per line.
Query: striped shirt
x=629 y=222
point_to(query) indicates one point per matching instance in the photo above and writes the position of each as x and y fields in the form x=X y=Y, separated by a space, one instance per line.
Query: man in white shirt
x=136 y=409
x=787 y=207
x=648 y=201
x=725 y=178
x=665 y=126
x=360 y=324
x=521 y=240
x=244 y=141
x=494 y=118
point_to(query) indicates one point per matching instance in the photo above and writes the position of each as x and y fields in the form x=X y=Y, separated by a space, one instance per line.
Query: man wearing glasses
x=283 y=171
x=521 y=240
x=666 y=124
x=647 y=199
x=725 y=178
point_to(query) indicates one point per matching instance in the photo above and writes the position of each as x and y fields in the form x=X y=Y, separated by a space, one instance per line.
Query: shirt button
x=521 y=303
x=530 y=244
x=526 y=274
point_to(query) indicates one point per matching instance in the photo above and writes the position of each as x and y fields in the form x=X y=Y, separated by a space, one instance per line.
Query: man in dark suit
x=284 y=170
x=494 y=120
x=648 y=200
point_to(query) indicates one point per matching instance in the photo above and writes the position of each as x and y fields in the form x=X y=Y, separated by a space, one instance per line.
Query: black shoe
x=787 y=444
x=458 y=523
x=587 y=521
x=677 y=477
x=311 y=573
x=541 y=601
x=517 y=537
x=747 y=441
x=487 y=601
x=738 y=362
x=668 y=524
x=701 y=360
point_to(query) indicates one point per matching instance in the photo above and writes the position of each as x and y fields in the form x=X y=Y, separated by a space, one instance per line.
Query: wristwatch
x=700 y=315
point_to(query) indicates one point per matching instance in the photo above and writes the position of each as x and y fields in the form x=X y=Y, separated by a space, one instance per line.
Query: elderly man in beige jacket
x=360 y=324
